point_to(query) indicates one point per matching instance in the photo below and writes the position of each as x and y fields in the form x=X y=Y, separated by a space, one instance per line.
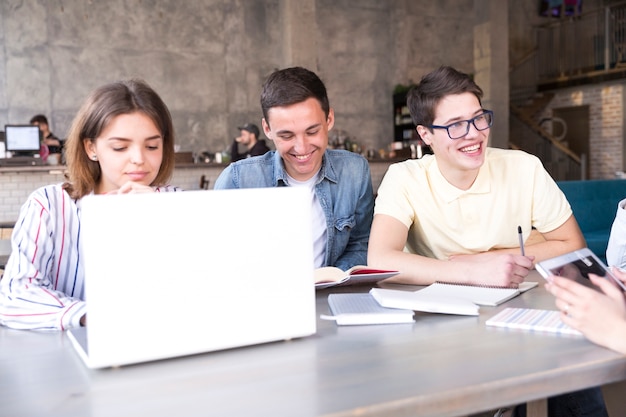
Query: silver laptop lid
x=172 y=274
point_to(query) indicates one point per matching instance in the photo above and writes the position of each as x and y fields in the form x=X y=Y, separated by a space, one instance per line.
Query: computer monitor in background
x=22 y=140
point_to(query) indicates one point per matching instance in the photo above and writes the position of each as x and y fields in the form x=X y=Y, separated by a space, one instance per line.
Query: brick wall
x=16 y=186
x=606 y=124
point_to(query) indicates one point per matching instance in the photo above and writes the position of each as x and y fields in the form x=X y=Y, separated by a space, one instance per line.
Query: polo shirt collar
x=449 y=192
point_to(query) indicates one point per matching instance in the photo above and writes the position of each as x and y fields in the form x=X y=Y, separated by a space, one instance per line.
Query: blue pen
x=521 y=240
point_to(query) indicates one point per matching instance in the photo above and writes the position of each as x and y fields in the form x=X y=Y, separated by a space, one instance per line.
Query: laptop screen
x=22 y=139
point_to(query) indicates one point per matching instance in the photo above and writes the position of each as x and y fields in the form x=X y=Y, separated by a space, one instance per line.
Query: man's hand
x=499 y=269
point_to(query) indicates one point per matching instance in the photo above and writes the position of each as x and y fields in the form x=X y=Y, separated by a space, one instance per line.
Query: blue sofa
x=594 y=203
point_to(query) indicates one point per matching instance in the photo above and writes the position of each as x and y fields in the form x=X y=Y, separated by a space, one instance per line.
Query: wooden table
x=441 y=365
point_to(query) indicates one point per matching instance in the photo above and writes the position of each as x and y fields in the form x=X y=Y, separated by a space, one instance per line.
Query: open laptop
x=173 y=274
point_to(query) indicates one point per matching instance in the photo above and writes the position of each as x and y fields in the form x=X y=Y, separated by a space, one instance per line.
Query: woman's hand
x=599 y=315
x=132 y=188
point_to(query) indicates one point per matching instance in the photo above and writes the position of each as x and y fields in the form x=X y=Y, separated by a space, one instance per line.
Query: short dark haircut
x=290 y=86
x=444 y=81
x=39 y=118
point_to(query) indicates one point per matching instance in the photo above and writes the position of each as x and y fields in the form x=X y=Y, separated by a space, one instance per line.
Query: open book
x=330 y=276
x=448 y=298
x=354 y=309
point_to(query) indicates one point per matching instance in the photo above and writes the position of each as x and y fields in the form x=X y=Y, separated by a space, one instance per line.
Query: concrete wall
x=208 y=58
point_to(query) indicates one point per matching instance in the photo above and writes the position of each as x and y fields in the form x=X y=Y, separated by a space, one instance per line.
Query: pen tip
x=519 y=229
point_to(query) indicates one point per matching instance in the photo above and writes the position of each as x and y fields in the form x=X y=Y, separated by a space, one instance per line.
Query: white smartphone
x=577 y=265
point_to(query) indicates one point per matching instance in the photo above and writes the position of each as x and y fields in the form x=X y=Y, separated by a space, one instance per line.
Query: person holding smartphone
x=600 y=315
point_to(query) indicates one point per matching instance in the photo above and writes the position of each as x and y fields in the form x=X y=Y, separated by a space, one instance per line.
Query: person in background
x=121 y=141
x=599 y=315
x=248 y=137
x=54 y=144
x=454 y=215
x=297 y=117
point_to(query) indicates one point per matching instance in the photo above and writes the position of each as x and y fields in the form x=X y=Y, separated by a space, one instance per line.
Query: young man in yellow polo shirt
x=454 y=215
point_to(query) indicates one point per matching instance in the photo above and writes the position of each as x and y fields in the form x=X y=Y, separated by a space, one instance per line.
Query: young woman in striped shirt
x=121 y=141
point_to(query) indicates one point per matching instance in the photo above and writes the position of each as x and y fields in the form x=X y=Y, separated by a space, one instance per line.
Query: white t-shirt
x=319 y=220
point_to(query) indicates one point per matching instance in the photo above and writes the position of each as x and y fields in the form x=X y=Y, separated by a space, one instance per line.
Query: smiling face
x=300 y=134
x=458 y=160
x=130 y=148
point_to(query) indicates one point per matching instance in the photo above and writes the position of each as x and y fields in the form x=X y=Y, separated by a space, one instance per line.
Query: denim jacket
x=344 y=190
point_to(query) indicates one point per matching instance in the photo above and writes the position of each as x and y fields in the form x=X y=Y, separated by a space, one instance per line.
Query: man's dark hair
x=290 y=86
x=424 y=97
x=39 y=118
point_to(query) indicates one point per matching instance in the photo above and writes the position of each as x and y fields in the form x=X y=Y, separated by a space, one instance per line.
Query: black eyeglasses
x=461 y=128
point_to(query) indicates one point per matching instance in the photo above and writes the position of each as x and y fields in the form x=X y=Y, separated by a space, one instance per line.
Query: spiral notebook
x=361 y=308
x=481 y=295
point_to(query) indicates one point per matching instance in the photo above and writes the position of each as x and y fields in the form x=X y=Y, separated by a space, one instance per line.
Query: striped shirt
x=43 y=283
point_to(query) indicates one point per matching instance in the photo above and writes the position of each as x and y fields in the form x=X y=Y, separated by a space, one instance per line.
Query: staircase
x=527 y=134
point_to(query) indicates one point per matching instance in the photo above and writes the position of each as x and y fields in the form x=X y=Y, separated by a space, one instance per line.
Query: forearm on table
x=33 y=313
x=565 y=238
x=550 y=249
x=543 y=249
x=417 y=269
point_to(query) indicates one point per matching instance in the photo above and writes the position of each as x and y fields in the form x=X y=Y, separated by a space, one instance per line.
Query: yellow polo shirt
x=512 y=188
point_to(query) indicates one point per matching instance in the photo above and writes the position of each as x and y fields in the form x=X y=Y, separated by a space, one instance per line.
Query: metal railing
x=586 y=44
x=558 y=160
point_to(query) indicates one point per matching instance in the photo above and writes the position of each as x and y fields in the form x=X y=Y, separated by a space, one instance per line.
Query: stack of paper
x=384 y=305
x=448 y=298
x=430 y=303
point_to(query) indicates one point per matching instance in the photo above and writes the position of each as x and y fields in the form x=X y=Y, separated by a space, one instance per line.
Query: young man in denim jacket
x=297 y=118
